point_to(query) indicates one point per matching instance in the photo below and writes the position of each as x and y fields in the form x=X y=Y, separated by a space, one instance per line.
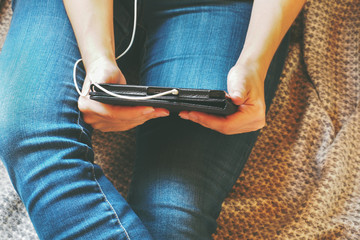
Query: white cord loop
x=75 y=82
x=173 y=91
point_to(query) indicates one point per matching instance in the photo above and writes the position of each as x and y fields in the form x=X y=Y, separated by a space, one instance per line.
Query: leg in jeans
x=184 y=171
x=45 y=144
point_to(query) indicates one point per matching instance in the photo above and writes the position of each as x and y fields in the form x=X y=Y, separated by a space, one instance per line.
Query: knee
x=173 y=212
x=177 y=222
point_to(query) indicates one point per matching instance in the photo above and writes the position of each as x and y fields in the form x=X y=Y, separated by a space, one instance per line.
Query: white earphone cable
x=173 y=91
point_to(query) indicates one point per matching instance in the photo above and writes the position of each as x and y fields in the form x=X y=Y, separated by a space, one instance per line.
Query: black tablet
x=208 y=101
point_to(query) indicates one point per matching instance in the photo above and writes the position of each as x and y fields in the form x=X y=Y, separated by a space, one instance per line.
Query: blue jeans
x=183 y=171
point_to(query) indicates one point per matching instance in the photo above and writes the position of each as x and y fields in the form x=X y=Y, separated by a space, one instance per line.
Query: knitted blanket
x=302 y=180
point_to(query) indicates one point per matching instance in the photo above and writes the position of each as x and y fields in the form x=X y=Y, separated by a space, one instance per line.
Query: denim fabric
x=48 y=153
x=183 y=171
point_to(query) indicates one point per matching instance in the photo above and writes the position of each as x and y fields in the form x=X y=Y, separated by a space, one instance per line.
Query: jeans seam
x=98 y=184
x=110 y=205
x=81 y=130
x=81 y=134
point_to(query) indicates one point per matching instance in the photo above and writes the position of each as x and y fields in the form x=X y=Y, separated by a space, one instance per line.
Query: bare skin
x=92 y=21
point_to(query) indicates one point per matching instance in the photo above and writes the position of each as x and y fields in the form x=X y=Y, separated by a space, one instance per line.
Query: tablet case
x=209 y=101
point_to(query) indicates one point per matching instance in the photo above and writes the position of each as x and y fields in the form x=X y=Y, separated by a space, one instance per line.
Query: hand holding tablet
x=208 y=101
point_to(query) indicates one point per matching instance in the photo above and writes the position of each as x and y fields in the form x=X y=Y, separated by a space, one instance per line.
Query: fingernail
x=193 y=117
x=148 y=110
x=236 y=94
x=184 y=116
x=162 y=114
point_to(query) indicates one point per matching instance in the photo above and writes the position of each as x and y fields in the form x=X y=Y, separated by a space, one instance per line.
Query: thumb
x=122 y=79
x=237 y=98
x=86 y=87
x=236 y=87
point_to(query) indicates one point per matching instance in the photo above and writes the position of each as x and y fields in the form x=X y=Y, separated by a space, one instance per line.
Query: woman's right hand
x=111 y=118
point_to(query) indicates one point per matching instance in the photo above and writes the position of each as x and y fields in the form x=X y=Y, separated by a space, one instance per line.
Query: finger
x=237 y=100
x=86 y=87
x=106 y=127
x=239 y=122
x=108 y=111
x=122 y=79
x=124 y=125
x=237 y=93
x=141 y=116
x=159 y=112
x=247 y=119
x=236 y=83
x=98 y=112
x=214 y=122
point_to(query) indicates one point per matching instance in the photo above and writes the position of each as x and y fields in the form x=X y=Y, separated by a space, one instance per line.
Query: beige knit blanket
x=302 y=180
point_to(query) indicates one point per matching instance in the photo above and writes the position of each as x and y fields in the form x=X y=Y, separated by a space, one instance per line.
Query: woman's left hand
x=246 y=89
